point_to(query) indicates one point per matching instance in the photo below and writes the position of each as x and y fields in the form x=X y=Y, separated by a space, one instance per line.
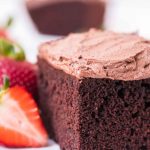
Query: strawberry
x=20 y=73
x=3 y=30
x=3 y=34
x=20 y=123
x=13 y=64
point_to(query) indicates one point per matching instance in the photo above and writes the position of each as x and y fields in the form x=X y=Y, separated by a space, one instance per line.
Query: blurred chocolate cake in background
x=64 y=16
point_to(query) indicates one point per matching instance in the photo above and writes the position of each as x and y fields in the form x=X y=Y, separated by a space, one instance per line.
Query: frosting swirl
x=100 y=54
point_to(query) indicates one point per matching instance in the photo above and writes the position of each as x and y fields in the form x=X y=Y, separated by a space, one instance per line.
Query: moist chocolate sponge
x=94 y=114
x=95 y=91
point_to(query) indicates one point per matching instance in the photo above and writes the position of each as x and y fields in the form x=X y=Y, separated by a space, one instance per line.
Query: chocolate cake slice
x=95 y=91
x=64 y=16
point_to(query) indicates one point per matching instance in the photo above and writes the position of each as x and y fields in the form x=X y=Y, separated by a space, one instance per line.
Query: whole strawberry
x=3 y=33
x=20 y=73
x=3 y=29
x=13 y=65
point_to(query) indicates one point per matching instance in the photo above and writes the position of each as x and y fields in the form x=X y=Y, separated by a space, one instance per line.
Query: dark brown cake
x=95 y=91
x=64 y=16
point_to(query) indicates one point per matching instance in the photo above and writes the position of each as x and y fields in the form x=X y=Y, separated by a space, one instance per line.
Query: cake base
x=94 y=114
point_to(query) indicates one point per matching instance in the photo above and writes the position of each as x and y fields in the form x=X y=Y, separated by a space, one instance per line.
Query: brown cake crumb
x=86 y=108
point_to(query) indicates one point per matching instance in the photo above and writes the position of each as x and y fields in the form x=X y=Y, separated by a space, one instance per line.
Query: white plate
x=52 y=146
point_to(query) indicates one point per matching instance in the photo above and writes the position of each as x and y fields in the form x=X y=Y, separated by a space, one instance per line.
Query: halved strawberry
x=20 y=122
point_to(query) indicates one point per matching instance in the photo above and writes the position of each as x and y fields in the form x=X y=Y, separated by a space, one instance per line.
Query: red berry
x=3 y=34
x=20 y=123
x=20 y=73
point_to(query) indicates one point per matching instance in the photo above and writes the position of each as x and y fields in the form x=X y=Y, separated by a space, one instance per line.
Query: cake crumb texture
x=94 y=113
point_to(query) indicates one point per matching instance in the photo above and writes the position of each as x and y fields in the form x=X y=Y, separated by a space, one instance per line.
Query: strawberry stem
x=4 y=87
x=9 y=22
x=6 y=83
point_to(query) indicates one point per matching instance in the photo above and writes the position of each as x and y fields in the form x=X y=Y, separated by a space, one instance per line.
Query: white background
x=22 y=29
x=129 y=16
x=121 y=16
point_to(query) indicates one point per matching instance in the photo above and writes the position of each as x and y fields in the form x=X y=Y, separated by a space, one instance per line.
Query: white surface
x=129 y=16
x=52 y=146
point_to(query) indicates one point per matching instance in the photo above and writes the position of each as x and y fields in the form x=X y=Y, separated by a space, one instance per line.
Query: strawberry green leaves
x=11 y=50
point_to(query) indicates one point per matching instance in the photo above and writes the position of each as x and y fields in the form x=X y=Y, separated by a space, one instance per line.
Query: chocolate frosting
x=100 y=54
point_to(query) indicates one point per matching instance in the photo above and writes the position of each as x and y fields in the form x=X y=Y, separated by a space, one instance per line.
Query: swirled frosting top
x=100 y=54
